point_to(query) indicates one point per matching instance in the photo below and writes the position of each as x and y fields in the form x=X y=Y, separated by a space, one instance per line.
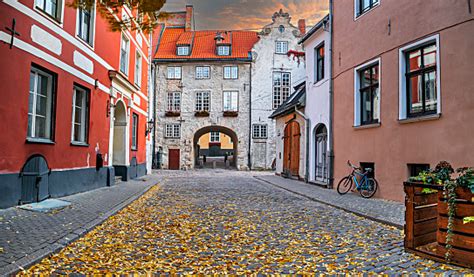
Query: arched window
x=281 y=28
x=320 y=159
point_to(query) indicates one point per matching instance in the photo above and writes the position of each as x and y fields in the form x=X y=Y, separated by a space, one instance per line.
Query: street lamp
x=150 y=126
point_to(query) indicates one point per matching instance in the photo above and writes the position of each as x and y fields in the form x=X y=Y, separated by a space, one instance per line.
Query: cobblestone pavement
x=389 y=212
x=26 y=236
x=229 y=222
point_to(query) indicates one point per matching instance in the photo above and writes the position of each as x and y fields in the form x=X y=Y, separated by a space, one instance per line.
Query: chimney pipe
x=189 y=18
x=302 y=26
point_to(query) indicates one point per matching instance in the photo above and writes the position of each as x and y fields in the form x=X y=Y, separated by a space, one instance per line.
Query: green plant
x=426 y=177
x=466 y=178
x=468 y=219
x=443 y=171
x=428 y=191
x=450 y=195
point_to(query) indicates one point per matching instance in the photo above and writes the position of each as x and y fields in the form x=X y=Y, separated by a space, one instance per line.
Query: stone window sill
x=367 y=126
x=40 y=141
x=77 y=143
x=419 y=118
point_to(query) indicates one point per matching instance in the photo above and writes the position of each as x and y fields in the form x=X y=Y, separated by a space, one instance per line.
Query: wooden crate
x=421 y=215
x=463 y=235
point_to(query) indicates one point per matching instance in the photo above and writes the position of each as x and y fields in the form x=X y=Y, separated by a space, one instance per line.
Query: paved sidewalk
x=388 y=212
x=26 y=236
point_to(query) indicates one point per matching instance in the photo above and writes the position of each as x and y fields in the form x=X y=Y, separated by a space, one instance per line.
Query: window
x=281 y=47
x=363 y=6
x=319 y=55
x=281 y=88
x=415 y=169
x=174 y=101
x=259 y=131
x=138 y=69
x=281 y=28
x=134 y=131
x=421 y=81
x=231 y=100
x=85 y=24
x=183 y=50
x=50 y=7
x=203 y=72
x=215 y=137
x=80 y=115
x=172 y=131
x=202 y=101
x=370 y=165
x=223 y=50
x=174 y=72
x=231 y=72
x=40 y=108
x=124 y=57
x=369 y=94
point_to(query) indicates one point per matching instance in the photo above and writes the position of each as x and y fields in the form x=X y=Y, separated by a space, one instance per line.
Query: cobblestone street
x=230 y=222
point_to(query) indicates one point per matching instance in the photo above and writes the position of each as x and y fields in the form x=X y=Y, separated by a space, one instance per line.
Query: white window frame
x=173 y=131
x=125 y=40
x=200 y=102
x=138 y=69
x=214 y=136
x=49 y=106
x=91 y=30
x=231 y=72
x=183 y=50
x=200 y=72
x=231 y=95
x=260 y=131
x=223 y=50
x=357 y=111
x=135 y=120
x=281 y=87
x=172 y=72
x=59 y=10
x=402 y=105
x=173 y=101
x=357 y=14
x=280 y=47
x=84 y=124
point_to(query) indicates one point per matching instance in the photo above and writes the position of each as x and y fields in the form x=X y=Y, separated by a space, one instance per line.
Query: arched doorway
x=291 y=149
x=212 y=150
x=320 y=153
x=34 y=180
x=120 y=134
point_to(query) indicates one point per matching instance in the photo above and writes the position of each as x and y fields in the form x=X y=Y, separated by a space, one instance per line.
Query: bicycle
x=367 y=186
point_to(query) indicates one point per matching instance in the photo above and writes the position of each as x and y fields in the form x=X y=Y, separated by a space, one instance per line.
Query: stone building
x=275 y=72
x=202 y=86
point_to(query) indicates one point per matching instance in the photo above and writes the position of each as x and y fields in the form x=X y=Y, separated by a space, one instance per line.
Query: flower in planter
x=468 y=219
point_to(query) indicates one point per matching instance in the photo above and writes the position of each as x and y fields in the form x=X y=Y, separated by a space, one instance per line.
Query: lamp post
x=150 y=126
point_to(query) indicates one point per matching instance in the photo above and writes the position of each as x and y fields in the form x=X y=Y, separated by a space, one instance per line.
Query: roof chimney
x=302 y=26
x=189 y=18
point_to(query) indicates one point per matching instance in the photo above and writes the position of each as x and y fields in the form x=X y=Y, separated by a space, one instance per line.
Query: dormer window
x=183 y=50
x=223 y=50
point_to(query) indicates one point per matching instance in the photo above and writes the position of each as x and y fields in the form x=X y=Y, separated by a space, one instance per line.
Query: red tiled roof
x=204 y=45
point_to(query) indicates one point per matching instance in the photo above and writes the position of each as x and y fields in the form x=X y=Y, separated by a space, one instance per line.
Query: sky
x=248 y=14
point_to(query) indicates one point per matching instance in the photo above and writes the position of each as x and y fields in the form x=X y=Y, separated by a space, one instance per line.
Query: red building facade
x=75 y=100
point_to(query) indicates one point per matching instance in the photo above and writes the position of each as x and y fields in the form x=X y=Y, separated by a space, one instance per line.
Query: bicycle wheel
x=369 y=188
x=344 y=185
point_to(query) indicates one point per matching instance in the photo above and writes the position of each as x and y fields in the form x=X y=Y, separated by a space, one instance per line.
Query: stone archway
x=214 y=128
x=120 y=135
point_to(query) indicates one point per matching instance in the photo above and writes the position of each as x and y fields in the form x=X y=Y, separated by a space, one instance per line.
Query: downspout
x=249 y=162
x=308 y=129
x=331 y=97
x=153 y=135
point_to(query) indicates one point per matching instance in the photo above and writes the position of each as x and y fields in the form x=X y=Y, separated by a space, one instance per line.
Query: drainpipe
x=249 y=163
x=331 y=98
x=308 y=129
x=153 y=134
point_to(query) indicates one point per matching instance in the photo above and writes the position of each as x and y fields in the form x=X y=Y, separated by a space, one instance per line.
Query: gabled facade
x=75 y=100
x=274 y=75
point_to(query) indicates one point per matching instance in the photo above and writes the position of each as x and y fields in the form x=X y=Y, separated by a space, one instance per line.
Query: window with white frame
x=174 y=102
x=281 y=87
x=202 y=101
x=174 y=72
x=172 y=130
x=215 y=137
x=367 y=93
x=259 y=131
x=183 y=50
x=231 y=72
x=363 y=6
x=80 y=115
x=124 y=54
x=85 y=24
x=281 y=47
x=223 y=50
x=203 y=72
x=52 y=8
x=138 y=69
x=134 y=131
x=40 y=108
x=231 y=101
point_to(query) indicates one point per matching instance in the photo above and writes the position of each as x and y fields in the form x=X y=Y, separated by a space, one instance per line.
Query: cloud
x=249 y=14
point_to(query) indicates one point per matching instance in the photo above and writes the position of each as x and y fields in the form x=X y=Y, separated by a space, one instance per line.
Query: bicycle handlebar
x=351 y=165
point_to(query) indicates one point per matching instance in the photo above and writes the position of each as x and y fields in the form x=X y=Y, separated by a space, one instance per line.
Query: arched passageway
x=215 y=146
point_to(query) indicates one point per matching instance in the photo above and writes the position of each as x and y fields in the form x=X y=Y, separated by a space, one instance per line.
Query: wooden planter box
x=230 y=114
x=201 y=114
x=463 y=236
x=172 y=113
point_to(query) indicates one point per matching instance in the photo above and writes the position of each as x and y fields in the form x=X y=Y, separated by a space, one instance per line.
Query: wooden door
x=173 y=159
x=291 y=149
x=35 y=180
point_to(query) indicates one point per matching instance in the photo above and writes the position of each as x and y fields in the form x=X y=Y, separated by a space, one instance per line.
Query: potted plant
x=201 y=113
x=231 y=113
x=173 y=113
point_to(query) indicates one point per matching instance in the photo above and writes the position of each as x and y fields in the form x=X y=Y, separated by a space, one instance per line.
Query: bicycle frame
x=362 y=180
